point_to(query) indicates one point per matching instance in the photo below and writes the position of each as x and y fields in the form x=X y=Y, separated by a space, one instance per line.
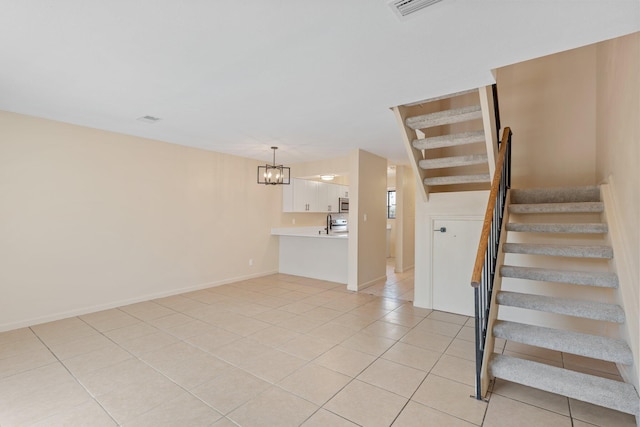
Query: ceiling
x=316 y=78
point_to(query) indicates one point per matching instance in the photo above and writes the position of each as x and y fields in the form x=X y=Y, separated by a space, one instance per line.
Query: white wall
x=462 y=205
x=92 y=219
x=618 y=160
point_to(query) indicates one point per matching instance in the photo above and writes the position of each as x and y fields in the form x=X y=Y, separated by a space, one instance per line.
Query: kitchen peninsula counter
x=308 y=232
x=311 y=252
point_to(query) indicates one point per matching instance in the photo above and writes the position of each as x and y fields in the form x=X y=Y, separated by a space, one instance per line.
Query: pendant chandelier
x=274 y=174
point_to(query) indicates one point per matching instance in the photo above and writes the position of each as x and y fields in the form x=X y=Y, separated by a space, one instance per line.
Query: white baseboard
x=407 y=268
x=422 y=303
x=120 y=303
x=381 y=279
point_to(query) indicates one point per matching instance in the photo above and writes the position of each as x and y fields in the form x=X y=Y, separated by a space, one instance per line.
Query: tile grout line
x=91 y=395
x=134 y=356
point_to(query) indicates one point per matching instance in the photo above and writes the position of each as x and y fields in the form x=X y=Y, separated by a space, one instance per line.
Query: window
x=391 y=204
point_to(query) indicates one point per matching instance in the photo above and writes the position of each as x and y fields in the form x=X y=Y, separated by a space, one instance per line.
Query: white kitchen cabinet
x=304 y=195
x=287 y=197
x=330 y=195
x=323 y=197
x=333 y=194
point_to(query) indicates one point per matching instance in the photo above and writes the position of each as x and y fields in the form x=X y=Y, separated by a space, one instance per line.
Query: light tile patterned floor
x=273 y=351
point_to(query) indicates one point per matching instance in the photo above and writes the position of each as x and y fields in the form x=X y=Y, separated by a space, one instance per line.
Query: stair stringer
x=625 y=295
x=489 y=346
x=487 y=102
x=415 y=155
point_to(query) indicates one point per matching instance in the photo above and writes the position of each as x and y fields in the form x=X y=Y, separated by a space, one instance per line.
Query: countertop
x=317 y=232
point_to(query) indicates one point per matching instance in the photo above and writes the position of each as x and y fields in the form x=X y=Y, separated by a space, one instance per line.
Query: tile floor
x=273 y=351
x=397 y=286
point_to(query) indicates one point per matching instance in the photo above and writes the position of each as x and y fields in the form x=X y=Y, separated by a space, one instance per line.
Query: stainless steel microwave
x=343 y=204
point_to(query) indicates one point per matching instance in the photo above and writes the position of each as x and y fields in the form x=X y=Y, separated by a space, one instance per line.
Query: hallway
x=398 y=285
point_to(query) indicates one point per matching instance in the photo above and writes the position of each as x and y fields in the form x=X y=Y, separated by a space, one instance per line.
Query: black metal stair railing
x=486 y=257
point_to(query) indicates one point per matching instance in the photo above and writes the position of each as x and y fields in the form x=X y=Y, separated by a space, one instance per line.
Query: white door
x=455 y=243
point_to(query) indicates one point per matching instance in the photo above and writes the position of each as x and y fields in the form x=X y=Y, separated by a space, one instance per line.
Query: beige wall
x=618 y=163
x=549 y=103
x=405 y=211
x=92 y=219
x=588 y=102
x=367 y=237
x=337 y=165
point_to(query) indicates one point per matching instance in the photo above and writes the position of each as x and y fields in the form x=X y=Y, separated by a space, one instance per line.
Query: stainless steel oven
x=343 y=204
x=339 y=225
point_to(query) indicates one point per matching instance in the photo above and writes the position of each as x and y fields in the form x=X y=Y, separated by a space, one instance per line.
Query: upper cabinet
x=304 y=195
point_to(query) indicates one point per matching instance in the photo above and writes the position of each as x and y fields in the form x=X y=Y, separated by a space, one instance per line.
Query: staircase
x=542 y=273
x=556 y=265
x=451 y=140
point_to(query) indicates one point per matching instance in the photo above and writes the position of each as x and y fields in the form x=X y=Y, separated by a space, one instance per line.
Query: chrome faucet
x=328 y=223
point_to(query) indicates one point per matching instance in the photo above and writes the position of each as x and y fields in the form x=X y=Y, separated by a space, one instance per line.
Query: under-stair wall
x=453 y=129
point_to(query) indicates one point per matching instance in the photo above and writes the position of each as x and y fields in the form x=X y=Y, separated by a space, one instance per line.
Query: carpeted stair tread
x=457 y=179
x=446 y=117
x=556 y=195
x=569 y=307
x=450 y=140
x=586 y=278
x=549 y=208
x=450 y=162
x=575 y=228
x=593 y=346
x=575 y=251
x=576 y=385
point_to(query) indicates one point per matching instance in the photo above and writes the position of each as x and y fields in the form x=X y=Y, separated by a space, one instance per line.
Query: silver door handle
x=441 y=229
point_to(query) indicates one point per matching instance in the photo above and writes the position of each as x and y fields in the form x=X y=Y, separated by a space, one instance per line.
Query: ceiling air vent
x=403 y=8
x=148 y=119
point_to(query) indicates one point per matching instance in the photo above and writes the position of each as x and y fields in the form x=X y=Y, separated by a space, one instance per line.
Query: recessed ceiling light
x=327 y=177
x=148 y=119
